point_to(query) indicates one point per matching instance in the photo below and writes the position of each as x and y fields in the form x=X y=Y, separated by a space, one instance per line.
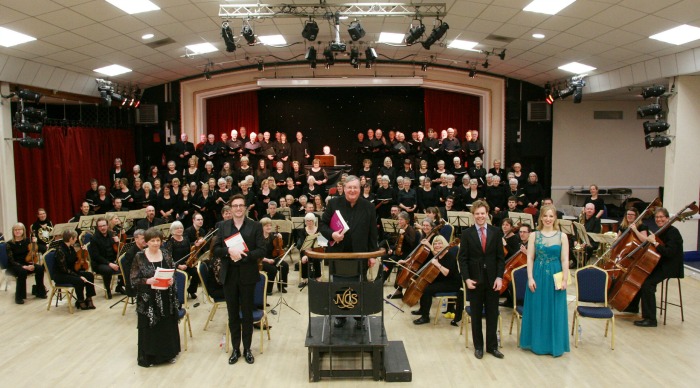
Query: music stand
x=286 y=212
x=298 y=222
x=460 y=219
x=58 y=229
x=165 y=229
x=390 y=225
x=281 y=301
x=419 y=218
x=566 y=227
x=522 y=218
x=85 y=222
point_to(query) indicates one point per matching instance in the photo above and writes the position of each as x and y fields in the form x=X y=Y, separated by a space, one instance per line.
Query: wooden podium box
x=326 y=160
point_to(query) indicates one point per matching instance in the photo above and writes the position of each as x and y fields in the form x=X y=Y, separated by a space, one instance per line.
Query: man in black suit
x=482 y=264
x=239 y=273
x=670 y=266
x=184 y=150
x=361 y=237
x=150 y=220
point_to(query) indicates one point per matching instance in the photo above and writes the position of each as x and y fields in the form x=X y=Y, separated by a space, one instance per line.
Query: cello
x=416 y=259
x=423 y=278
x=643 y=259
x=513 y=262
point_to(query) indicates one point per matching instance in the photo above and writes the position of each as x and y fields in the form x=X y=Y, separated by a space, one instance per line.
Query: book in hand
x=163 y=276
x=236 y=241
x=558 y=277
x=338 y=224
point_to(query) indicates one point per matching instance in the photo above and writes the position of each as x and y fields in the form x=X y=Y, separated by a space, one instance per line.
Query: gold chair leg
x=517 y=341
x=53 y=293
x=612 y=340
x=211 y=315
x=70 y=301
x=606 y=328
x=466 y=335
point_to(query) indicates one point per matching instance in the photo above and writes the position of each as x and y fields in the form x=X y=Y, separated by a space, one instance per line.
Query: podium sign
x=345 y=298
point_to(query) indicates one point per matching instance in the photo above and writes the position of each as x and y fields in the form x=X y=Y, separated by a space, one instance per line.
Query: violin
x=423 y=278
x=417 y=258
x=33 y=255
x=82 y=263
x=277 y=244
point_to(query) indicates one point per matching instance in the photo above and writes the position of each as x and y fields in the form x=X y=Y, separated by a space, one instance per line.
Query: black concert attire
x=192 y=235
x=431 y=148
x=299 y=177
x=227 y=173
x=137 y=196
x=152 y=178
x=459 y=172
x=283 y=150
x=446 y=191
x=479 y=174
x=145 y=224
x=127 y=263
x=312 y=193
x=599 y=203
x=234 y=150
x=125 y=196
x=168 y=176
x=102 y=205
x=299 y=152
x=180 y=149
x=190 y=177
x=388 y=195
x=361 y=153
x=427 y=199
x=167 y=204
x=205 y=206
x=218 y=205
x=157 y=311
x=239 y=277
x=451 y=148
x=314 y=263
x=592 y=225
x=267 y=151
x=221 y=153
x=319 y=175
x=178 y=250
x=91 y=197
x=261 y=175
x=272 y=269
x=209 y=152
x=252 y=150
x=205 y=175
x=376 y=148
x=183 y=205
x=294 y=192
x=370 y=175
x=483 y=266
x=496 y=197
x=102 y=253
x=390 y=172
x=469 y=196
x=409 y=199
x=522 y=179
x=473 y=149
x=40 y=231
x=452 y=282
x=409 y=242
x=641 y=228
x=408 y=174
x=64 y=272
x=17 y=252
x=401 y=150
x=114 y=175
x=670 y=266
x=427 y=174
x=501 y=173
x=533 y=193
x=280 y=177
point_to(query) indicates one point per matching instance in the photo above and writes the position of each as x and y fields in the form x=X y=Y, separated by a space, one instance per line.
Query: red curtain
x=57 y=176
x=447 y=109
x=232 y=111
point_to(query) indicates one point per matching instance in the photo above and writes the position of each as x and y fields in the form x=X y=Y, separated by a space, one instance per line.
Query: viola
x=33 y=255
x=82 y=263
x=423 y=278
x=416 y=259
x=277 y=244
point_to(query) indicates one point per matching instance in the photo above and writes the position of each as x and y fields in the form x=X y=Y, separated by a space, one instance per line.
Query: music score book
x=338 y=224
x=236 y=241
x=163 y=276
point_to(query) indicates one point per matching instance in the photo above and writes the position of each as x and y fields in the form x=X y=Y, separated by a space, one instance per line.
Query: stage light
x=311 y=56
x=655 y=126
x=105 y=99
x=248 y=34
x=261 y=65
x=424 y=66
x=310 y=31
x=355 y=58
x=656 y=141
x=578 y=94
x=31 y=142
x=414 y=33
x=472 y=73
x=29 y=127
x=563 y=93
x=437 y=34
x=548 y=93
x=649 y=110
x=356 y=31
x=28 y=95
x=502 y=55
x=330 y=59
x=485 y=64
x=370 y=57
x=33 y=114
x=227 y=34
x=653 y=91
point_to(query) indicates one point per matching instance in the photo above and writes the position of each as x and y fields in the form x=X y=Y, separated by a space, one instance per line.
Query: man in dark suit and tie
x=482 y=263
x=239 y=273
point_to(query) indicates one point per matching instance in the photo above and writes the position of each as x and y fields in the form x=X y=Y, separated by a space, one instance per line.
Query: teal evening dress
x=545 y=320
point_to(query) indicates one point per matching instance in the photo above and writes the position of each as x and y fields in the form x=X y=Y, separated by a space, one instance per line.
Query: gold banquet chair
x=57 y=288
x=591 y=289
x=519 y=282
x=181 y=282
x=203 y=272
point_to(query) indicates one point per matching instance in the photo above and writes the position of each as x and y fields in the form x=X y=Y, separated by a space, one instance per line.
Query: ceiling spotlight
x=472 y=73
x=28 y=95
x=485 y=64
x=356 y=31
x=31 y=142
x=33 y=114
x=655 y=126
x=649 y=110
x=310 y=31
x=656 y=141
x=414 y=33
x=653 y=91
x=261 y=65
x=370 y=57
x=105 y=99
x=502 y=55
x=311 y=56
x=437 y=34
x=355 y=58
x=578 y=94
x=29 y=127
x=564 y=93
x=248 y=34
x=548 y=93
x=227 y=34
x=330 y=59
x=424 y=66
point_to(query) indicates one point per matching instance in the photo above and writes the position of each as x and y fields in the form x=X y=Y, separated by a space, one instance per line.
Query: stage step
x=396 y=365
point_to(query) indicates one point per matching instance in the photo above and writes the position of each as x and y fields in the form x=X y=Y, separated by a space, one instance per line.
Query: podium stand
x=362 y=298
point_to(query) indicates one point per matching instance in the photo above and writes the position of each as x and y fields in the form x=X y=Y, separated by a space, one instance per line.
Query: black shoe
x=339 y=322
x=121 y=290
x=421 y=321
x=478 y=353
x=454 y=323
x=248 y=355
x=109 y=294
x=416 y=312
x=234 y=357
x=302 y=285
x=645 y=323
x=284 y=290
x=81 y=305
x=496 y=353
x=397 y=295
x=19 y=301
x=192 y=295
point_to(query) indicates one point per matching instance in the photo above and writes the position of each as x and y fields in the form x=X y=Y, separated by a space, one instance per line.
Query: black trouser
x=107 y=272
x=315 y=268
x=239 y=301
x=82 y=290
x=426 y=300
x=194 y=279
x=271 y=271
x=284 y=275
x=648 y=293
x=22 y=274
x=483 y=296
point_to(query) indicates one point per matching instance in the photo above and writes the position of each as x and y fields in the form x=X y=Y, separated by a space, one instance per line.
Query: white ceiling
x=76 y=36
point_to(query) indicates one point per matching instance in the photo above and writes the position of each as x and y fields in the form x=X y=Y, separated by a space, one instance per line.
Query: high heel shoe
x=81 y=305
x=90 y=305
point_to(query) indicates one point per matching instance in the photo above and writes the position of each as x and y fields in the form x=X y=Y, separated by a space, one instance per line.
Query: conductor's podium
x=354 y=350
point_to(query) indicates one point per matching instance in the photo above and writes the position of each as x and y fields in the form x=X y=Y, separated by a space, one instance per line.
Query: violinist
x=511 y=241
x=669 y=244
x=18 y=250
x=408 y=237
x=270 y=261
x=104 y=257
x=448 y=280
x=179 y=246
x=309 y=267
x=197 y=232
x=516 y=244
x=41 y=229
x=64 y=272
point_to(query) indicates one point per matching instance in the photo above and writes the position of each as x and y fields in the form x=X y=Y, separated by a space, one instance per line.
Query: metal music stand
x=281 y=301
x=460 y=220
x=85 y=222
x=522 y=218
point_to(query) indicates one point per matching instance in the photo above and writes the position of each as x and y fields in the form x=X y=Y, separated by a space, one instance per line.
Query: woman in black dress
x=17 y=250
x=166 y=204
x=157 y=310
x=298 y=174
x=103 y=202
x=207 y=173
x=427 y=196
x=638 y=227
x=204 y=203
x=184 y=208
x=172 y=173
x=478 y=172
x=244 y=170
x=191 y=173
x=179 y=247
x=147 y=198
x=64 y=272
x=533 y=192
x=153 y=174
x=319 y=173
x=117 y=172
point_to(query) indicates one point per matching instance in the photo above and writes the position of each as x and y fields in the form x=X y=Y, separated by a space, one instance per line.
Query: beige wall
x=609 y=153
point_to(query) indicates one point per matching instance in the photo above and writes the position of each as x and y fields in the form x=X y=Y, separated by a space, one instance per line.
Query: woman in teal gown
x=545 y=319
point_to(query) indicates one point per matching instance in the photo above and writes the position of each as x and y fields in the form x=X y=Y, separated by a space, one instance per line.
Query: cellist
x=448 y=280
x=669 y=245
x=17 y=250
x=427 y=226
x=82 y=281
x=408 y=237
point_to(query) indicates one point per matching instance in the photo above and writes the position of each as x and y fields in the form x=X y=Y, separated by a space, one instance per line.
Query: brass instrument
x=44 y=233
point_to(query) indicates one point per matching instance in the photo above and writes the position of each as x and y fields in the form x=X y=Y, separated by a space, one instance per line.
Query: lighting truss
x=269 y=11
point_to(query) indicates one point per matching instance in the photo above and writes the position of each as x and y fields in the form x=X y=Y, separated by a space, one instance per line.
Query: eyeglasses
x=238 y=205
x=523 y=231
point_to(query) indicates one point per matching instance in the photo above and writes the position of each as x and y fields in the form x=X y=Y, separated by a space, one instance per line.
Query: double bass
x=643 y=260
x=423 y=278
x=416 y=259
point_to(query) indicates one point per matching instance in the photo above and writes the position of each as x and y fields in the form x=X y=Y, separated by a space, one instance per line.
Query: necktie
x=482 y=237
